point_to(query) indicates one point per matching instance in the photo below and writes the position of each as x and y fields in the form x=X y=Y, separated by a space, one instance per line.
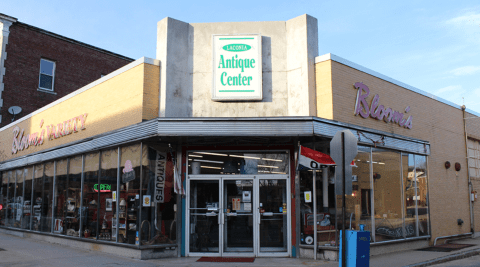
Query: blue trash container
x=357 y=248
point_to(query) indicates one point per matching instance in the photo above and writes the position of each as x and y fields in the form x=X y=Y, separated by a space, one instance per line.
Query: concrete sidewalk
x=28 y=252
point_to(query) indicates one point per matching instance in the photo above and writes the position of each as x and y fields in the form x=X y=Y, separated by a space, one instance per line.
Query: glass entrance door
x=273 y=210
x=204 y=217
x=238 y=222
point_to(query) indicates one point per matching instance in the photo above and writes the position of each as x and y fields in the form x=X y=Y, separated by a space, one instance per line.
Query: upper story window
x=47 y=74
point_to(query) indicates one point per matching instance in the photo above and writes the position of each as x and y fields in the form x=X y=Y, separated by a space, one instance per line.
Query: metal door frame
x=288 y=253
x=256 y=215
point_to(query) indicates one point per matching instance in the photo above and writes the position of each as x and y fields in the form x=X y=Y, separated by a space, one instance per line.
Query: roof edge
x=121 y=70
x=66 y=39
x=361 y=68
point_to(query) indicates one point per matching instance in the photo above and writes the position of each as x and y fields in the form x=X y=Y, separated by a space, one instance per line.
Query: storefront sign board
x=237 y=67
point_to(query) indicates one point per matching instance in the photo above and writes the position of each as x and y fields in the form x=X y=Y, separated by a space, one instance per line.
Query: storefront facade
x=194 y=153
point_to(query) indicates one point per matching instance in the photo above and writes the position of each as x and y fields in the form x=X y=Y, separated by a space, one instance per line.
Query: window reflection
x=203 y=162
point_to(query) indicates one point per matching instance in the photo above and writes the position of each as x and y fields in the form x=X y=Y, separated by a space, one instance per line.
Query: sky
x=431 y=45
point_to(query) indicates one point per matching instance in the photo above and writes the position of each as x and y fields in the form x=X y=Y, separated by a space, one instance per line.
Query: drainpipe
x=470 y=187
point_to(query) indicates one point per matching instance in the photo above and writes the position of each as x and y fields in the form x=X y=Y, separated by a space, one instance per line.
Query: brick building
x=38 y=67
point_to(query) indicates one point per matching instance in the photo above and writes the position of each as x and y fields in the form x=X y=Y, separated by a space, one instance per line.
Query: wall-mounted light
x=447 y=165
x=458 y=167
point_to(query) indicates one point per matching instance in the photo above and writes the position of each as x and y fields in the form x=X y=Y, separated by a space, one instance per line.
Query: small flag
x=311 y=159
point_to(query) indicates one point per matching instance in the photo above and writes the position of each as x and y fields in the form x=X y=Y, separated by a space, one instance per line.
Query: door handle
x=218 y=219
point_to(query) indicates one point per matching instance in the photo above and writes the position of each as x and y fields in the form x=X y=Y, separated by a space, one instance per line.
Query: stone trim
x=5 y=23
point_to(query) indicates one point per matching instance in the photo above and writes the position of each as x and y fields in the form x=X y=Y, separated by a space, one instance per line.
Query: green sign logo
x=237 y=47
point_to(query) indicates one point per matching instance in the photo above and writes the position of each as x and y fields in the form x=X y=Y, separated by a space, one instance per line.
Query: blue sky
x=431 y=45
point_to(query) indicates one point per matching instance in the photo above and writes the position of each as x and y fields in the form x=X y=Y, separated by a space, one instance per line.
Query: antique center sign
x=237 y=67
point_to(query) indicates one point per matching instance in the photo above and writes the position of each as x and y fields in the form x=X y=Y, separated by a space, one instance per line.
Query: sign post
x=343 y=149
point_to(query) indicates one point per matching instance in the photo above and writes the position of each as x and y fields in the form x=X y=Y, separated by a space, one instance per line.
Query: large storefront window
x=46 y=222
x=202 y=162
x=27 y=206
x=421 y=198
x=11 y=198
x=129 y=205
x=61 y=196
x=387 y=186
x=107 y=189
x=90 y=195
x=359 y=204
x=37 y=197
x=72 y=210
x=3 y=198
x=18 y=201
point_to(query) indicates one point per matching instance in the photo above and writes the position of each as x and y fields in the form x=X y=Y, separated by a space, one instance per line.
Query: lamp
x=123 y=203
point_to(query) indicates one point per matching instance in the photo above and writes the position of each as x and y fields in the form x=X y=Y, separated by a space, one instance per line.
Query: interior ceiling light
x=278 y=172
x=210 y=167
x=277 y=160
x=265 y=166
x=213 y=154
x=209 y=161
x=196 y=156
x=246 y=157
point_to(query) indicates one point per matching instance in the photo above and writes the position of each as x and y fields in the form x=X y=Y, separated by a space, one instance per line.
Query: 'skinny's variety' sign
x=22 y=141
x=377 y=111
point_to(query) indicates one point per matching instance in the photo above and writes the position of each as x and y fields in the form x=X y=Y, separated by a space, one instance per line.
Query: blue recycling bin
x=357 y=248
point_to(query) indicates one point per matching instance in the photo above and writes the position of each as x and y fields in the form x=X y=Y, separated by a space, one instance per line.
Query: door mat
x=225 y=259
x=446 y=247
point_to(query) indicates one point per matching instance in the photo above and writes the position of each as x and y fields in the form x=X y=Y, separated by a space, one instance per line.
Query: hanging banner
x=314 y=160
x=160 y=166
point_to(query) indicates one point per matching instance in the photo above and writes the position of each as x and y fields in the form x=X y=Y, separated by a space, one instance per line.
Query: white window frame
x=53 y=76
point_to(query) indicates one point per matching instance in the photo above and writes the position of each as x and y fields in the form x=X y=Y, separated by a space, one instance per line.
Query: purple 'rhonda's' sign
x=379 y=112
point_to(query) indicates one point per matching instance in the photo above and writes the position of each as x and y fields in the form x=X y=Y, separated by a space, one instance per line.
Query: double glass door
x=238 y=216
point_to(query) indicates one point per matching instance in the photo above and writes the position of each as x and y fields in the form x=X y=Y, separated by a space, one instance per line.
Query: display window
x=18 y=199
x=27 y=196
x=3 y=198
x=38 y=204
x=90 y=196
x=158 y=220
x=72 y=208
x=11 y=198
x=421 y=199
x=387 y=185
x=359 y=203
x=128 y=214
x=47 y=197
x=61 y=196
x=107 y=189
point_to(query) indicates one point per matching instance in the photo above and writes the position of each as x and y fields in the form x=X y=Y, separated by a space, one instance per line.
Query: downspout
x=472 y=221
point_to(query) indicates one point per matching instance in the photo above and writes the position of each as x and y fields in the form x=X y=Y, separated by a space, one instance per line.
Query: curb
x=452 y=257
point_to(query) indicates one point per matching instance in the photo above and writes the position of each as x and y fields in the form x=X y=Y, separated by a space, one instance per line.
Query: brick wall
x=433 y=121
x=76 y=66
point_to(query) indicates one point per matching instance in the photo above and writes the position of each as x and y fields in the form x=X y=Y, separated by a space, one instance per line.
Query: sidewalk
x=28 y=252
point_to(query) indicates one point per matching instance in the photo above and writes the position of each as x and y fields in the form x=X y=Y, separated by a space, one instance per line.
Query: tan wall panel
x=323 y=72
x=433 y=121
x=151 y=92
x=113 y=104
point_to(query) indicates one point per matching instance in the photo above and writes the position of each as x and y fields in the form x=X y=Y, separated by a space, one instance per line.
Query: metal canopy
x=207 y=130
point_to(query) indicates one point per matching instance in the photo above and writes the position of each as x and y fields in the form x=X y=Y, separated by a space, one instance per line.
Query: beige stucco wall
x=433 y=121
x=125 y=99
x=289 y=49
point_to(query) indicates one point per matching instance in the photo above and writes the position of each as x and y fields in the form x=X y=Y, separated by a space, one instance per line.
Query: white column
x=5 y=23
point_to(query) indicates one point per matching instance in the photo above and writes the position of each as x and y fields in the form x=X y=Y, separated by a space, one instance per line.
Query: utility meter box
x=357 y=248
